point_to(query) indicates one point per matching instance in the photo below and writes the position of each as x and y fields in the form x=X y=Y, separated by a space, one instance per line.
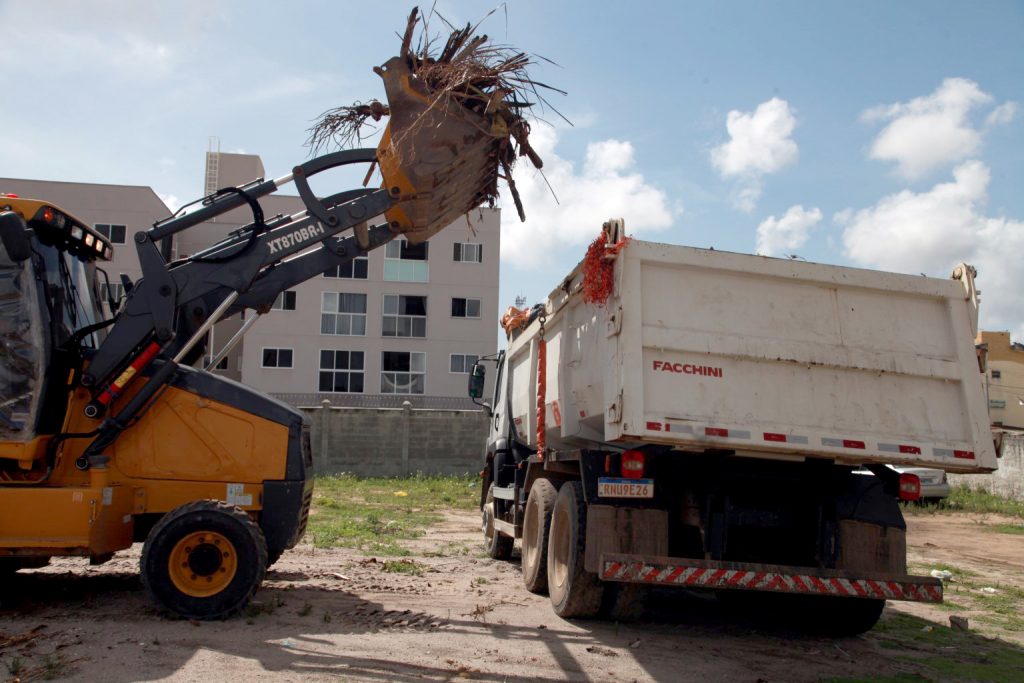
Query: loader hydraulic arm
x=173 y=306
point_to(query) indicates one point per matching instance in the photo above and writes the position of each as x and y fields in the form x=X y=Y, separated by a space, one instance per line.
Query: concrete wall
x=396 y=442
x=1008 y=480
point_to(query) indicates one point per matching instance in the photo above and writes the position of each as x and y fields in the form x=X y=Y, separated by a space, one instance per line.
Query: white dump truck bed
x=703 y=349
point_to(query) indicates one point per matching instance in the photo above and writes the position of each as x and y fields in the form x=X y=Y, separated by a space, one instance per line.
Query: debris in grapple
x=455 y=126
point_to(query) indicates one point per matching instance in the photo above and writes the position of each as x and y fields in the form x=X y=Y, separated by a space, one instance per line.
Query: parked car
x=934 y=486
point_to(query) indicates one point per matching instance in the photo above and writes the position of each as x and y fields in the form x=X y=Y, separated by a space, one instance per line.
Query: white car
x=934 y=486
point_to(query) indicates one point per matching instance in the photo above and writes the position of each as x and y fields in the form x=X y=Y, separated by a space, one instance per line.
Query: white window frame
x=359 y=259
x=109 y=231
x=279 y=349
x=468 y=366
x=479 y=307
x=409 y=375
x=348 y=371
x=117 y=287
x=281 y=300
x=398 y=269
x=351 y=316
x=460 y=257
x=403 y=316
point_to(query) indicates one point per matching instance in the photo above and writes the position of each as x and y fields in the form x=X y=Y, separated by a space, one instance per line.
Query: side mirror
x=14 y=235
x=476 y=381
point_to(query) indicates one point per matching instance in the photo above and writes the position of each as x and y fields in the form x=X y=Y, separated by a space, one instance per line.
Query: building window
x=112 y=290
x=402 y=372
x=404 y=262
x=465 y=308
x=222 y=364
x=355 y=269
x=277 y=358
x=404 y=316
x=462 y=363
x=114 y=233
x=343 y=314
x=285 y=301
x=997 y=403
x=467 y=252
x=341 y=371
x=997 y=374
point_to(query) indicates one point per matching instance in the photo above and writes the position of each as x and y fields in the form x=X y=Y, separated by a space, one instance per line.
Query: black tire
x=204 y=560
x=845 y=616
x=9 y=565
x=536 y=528
x=574 y=592
x=499 y=546
x=624 y=601
x=273 y=556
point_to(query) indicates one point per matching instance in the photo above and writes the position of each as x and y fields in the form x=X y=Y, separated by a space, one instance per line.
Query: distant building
x=405 y=322
x=1005 y=361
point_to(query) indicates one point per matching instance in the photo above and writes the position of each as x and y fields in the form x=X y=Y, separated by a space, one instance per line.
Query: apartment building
x=1005 y=369
x=405 y=322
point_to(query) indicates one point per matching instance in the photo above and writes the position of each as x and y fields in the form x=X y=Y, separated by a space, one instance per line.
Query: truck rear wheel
x=204 y=560
x=843 y=616
x=499 y=546
x=574 y=591
x=536 y=527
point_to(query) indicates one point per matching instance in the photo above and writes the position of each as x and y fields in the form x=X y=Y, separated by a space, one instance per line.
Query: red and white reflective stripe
x=840 y=442
x=702 y=577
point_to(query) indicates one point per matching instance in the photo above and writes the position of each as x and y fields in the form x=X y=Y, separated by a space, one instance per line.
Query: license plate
x=609 y=487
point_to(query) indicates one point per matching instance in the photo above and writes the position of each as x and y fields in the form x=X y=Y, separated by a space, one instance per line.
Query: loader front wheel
x=574 y=591
x=204 y=560
x=536 y=528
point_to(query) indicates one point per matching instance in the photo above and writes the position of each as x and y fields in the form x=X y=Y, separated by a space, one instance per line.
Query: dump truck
x=708 y=426
x=109 y=436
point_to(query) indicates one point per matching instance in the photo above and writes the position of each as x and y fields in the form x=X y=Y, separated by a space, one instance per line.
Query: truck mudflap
x=689 y=573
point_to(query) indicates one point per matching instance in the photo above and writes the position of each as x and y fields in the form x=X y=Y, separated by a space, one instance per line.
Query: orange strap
x=542 y=366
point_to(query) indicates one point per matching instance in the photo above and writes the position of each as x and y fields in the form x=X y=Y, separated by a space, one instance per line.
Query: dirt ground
x=338 y=615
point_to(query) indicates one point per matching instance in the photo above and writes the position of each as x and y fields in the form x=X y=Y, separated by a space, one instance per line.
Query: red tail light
x=910 y=487
x=633 y=465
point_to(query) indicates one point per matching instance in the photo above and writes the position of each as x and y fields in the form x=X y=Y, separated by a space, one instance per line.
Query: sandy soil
x=337 y=615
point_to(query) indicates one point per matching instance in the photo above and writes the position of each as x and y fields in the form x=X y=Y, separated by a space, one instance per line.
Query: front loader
x=109 y=437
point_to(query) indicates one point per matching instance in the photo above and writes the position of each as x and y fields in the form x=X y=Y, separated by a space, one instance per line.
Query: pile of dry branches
x=489 y=80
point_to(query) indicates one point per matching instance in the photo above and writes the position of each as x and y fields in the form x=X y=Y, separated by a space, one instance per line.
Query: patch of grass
x=54 y=666
x=957 y=572
x=963 y=499
x=480 y=581
x=1007 y=528
x=404 y=567
x=256 y=607
x=944 y=654
x=14 y=665
x=366 y=513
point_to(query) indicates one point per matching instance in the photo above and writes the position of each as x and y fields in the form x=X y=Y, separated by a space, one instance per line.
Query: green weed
x=404 y=567
x=377 y=514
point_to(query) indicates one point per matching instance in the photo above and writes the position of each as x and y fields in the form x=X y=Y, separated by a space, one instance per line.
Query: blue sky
x=876 y=134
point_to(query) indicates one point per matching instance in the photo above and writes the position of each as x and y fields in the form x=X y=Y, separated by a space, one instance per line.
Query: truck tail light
x=633 y=464
x=910 y=486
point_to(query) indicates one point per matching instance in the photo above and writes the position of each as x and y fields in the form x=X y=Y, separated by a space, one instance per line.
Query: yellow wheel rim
x=202 y=564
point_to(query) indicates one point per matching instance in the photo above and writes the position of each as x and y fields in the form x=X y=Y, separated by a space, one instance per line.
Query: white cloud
x=607 y=186
x=172 y=202
x=1001 y=115
x=930 y=232
x=776 y=237
x=931 y=132
x=759 y=144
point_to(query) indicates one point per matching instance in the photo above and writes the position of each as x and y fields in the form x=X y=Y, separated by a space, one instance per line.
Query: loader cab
x=48 y=292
